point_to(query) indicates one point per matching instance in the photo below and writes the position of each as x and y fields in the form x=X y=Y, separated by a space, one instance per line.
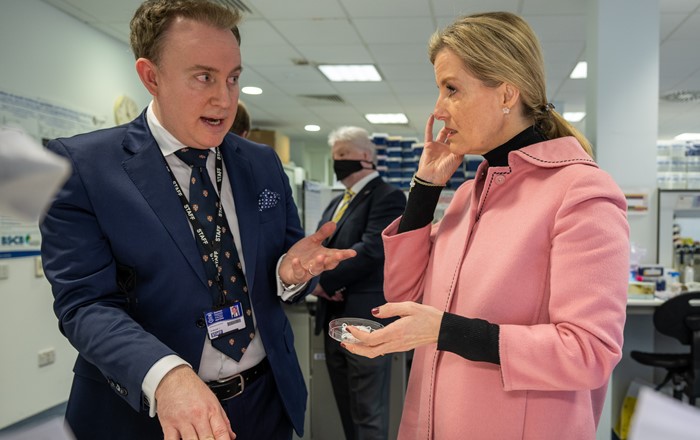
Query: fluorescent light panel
x=251 y=90
x=386 y=118
x=350 y=72
x=312 y=127
x=580 y=71
x=574 y=116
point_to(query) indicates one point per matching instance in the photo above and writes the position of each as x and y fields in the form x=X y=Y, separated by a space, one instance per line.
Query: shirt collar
x=357 y=187
x=166 y=141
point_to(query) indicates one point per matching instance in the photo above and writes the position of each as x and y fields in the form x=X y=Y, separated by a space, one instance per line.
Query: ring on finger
x=310 y=272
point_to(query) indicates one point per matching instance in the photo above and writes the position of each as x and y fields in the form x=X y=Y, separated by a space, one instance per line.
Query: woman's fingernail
x=375 y=310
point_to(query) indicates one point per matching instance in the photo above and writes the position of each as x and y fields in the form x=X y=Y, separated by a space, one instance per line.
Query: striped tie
x=343 y=205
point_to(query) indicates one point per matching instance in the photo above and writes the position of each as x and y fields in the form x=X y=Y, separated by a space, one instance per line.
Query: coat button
x=200 y=323
x=500 y=179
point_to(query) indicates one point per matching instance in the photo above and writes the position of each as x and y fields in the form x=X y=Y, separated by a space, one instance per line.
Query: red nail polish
x=375 y=310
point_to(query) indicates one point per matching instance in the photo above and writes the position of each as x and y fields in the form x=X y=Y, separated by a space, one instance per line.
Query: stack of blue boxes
x=471 y=164
x=398 y=157
x=379 y=140
x=393 y=160
x=409 y=162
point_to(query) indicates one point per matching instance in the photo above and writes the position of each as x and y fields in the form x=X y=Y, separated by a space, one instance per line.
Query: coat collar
x=554 y=153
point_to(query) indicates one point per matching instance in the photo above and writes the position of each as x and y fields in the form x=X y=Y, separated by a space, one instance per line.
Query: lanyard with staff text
x=211 y=248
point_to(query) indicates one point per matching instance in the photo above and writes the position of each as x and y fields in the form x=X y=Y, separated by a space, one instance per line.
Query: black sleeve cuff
x=473 y=339
x=420 y=207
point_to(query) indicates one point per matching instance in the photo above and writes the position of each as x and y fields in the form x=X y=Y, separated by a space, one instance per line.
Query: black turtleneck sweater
x=472 y=338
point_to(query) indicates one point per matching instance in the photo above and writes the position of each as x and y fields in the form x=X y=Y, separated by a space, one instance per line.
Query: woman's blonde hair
x=500 y=47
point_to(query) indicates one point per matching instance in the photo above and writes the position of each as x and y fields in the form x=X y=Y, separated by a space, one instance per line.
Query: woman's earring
x=506 y=110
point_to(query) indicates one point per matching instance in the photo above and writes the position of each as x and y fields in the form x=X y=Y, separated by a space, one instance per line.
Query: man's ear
x=148 y=73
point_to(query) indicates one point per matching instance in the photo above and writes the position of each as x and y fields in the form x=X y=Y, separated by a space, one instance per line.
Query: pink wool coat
x=540 y=247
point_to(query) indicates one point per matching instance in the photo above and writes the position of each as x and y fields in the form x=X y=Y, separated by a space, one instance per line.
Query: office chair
x=679 y=317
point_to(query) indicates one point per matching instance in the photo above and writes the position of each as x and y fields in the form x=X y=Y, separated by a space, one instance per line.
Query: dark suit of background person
x=129 y=284
x=360 y=385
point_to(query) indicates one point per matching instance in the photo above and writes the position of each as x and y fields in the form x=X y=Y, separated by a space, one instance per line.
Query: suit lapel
x=358 y=200
x=146 y=168
x=242 y=180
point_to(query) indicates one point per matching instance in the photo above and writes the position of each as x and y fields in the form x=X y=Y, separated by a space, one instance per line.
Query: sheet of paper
x=658 y=416
x=29 y=175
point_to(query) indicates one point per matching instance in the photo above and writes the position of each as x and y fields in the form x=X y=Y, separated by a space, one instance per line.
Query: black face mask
x=343 y=168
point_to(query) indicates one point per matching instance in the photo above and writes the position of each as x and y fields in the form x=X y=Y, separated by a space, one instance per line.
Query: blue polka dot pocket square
x=268 y=199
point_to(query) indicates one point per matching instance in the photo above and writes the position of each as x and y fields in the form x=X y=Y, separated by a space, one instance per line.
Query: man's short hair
x=153 y=18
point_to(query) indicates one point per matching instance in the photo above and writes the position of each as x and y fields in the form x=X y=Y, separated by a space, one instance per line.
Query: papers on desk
x=658 y=416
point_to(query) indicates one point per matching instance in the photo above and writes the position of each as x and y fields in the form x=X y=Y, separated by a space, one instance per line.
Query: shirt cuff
x=155 y=375
x=287 y=293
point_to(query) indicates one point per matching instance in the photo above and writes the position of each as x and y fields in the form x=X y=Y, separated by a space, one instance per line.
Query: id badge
x=225 y=320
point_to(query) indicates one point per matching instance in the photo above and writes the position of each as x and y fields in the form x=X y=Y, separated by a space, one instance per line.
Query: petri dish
x=337 y=331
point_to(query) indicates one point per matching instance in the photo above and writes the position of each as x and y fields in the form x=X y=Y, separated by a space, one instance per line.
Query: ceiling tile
x=260 y=33
x=310 y=32
x=394 y=30
x=336 y=54
x=400 y=53
x=298 y=9
x=456 y=8
x=386 y=8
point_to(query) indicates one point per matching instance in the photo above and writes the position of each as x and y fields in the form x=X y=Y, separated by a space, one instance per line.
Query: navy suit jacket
x=359 y=279
x=119 y=210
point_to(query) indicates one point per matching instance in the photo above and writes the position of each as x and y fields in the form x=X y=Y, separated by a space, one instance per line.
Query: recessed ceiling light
x=350 y=72
x=251 y=90
x=687 y=137
x=580 y=71
x=386 y=118
x=574 y=116
x=312 y=127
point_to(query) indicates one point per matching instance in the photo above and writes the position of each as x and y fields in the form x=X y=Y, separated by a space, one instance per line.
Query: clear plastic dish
x=337 y=331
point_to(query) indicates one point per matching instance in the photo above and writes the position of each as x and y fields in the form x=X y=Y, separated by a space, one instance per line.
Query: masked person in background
x=355 y=287
x=515 y=301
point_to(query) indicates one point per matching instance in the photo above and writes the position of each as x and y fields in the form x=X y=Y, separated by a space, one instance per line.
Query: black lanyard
x=211 y=247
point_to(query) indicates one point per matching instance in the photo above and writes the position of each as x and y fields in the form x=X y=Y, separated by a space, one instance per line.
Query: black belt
x=232 y=386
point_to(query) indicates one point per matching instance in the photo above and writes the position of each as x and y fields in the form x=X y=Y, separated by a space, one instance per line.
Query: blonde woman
x=515 y=301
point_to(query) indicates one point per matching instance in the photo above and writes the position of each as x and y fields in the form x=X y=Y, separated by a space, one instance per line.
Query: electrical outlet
x=47 y=357
x=4 y=271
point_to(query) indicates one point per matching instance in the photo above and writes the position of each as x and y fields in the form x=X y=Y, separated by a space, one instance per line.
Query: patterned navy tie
x=204 y=201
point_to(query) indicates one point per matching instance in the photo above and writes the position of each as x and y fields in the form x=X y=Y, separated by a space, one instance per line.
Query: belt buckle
x=230 y=378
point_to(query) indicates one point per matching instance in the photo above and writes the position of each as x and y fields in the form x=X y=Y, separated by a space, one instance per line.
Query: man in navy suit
x=355 y=287
x=131 y=287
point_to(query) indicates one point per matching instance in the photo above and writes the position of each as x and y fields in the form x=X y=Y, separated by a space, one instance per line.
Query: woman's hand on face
x=437 y=163
x=418 y=325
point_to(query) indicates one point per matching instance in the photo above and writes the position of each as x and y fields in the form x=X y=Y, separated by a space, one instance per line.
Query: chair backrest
x=671 y=317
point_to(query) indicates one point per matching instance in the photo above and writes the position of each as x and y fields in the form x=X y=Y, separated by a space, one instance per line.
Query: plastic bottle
x=688 y=274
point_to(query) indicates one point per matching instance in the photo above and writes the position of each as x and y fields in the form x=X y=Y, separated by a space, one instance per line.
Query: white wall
x=49 y=56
